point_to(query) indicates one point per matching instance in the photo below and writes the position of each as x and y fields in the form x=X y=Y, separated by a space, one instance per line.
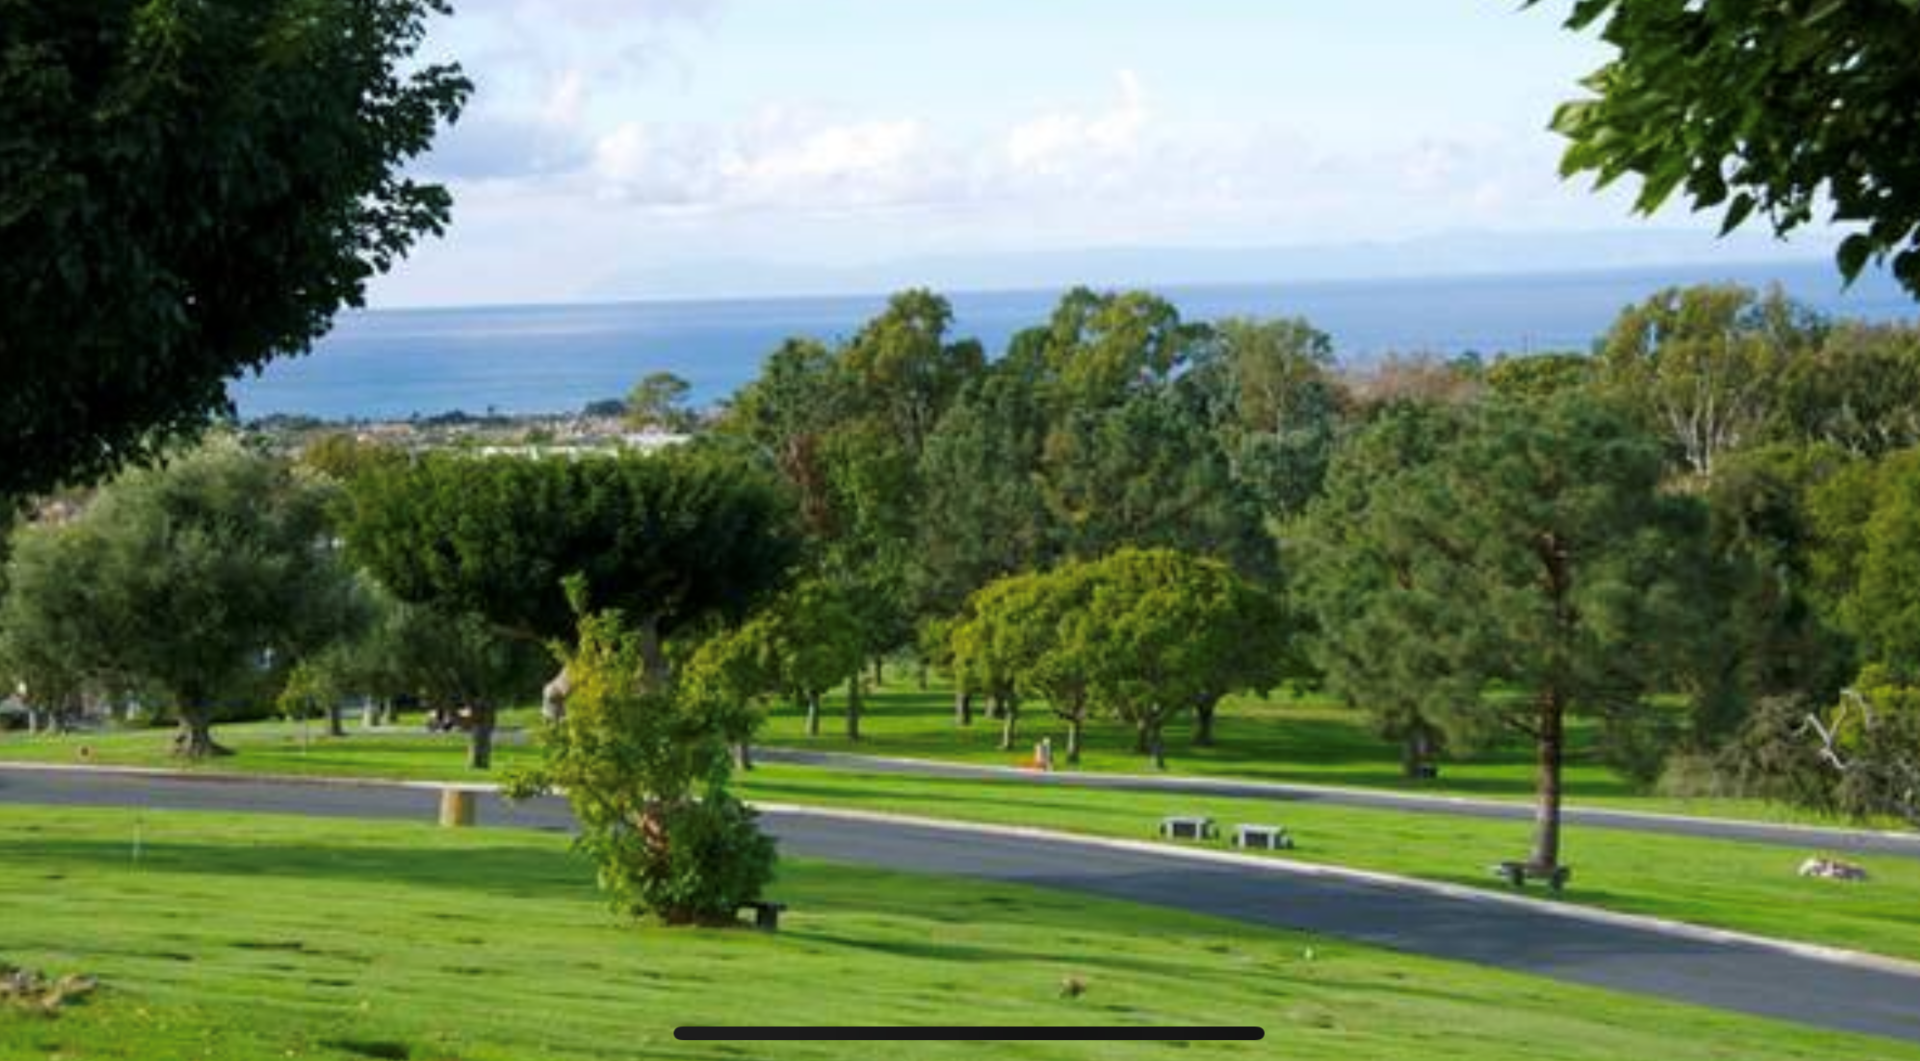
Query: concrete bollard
x=457 y=807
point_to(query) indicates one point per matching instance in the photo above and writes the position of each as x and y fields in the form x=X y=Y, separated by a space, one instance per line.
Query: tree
x=632 y=756
x=1276 y=406
x=179 y=584
x=805 y=643
x=1703 y=365
x=983 y=515
x=1883 y=609
x=785 y=413
x=447 y=662
x=674 y=539
x=1099 y=349
x=904 y=371
x=188 y=192
x=1539 y=377
x=1146 y=635
x=1772 y=640
x=1859 y=391
x=659 y=403
x=1775 y=108
x=1356 y=563
x=1859 y=757
x=1539 y=553
x=998 y=642
x=1176 y=633
x=1149 y=473
x=847 y=428
x=1054 y=617
x=342 y=457
x=51 y=636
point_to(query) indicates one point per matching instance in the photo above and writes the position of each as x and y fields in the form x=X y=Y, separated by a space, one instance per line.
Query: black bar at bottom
x=926 y=1035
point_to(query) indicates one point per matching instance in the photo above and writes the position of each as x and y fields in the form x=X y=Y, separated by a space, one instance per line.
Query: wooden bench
x=766 y=916
x=1262 y=837
x=1187 y=828
x=1517 y=874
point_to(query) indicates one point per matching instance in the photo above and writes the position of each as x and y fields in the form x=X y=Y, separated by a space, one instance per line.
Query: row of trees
x=227 y=580
x=1127 y=516
x=1468 y=550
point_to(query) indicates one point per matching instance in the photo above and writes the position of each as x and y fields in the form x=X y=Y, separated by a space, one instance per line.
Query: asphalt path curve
x=1532 y=938
x=1803 y=837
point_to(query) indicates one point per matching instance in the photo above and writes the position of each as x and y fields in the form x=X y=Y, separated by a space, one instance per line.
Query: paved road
x=1534 y=939
x=1805 y=838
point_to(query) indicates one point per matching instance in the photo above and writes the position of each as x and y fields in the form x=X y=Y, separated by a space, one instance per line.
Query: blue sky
x=627 y=148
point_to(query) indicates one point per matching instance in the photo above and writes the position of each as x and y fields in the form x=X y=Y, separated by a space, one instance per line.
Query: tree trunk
x=996 y=707
x=1148 y=743
x=480 y=742
x=1551 y=748
x=1203 y=723
x=336 y=719
x=195 y=737
x=553 y=695
x=879 y=673
x=1550 y=731
x=962 y=707
x=1416 y=752
x=813 y=714
x=1074 y=725
x=1009 y=724
x=743 y=756
x=921 y=667
x=654 y=658
x=33 y=722
x=853 y=708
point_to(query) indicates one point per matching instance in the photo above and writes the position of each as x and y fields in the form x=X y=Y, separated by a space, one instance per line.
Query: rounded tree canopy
x=669 y=539
x=188 y=191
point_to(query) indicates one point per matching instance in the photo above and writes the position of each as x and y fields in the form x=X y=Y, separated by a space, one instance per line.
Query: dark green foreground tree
x=1533 y=567
x=672 y=540
x=1773 y=107
x=187 y=191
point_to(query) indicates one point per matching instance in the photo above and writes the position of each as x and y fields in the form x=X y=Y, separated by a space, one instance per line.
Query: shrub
x=630 y=755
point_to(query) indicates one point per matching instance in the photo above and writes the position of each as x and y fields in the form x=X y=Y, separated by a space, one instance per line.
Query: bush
x=630 y=755
x=1775 y=757
x=714 y=861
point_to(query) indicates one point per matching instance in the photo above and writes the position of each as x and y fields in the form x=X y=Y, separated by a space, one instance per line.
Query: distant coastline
x=406 y=363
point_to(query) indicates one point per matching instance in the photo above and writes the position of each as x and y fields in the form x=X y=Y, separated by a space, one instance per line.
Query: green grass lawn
x=1747 y=887
x=1285 y=740
x=1733 y=885
x=229 y=937
x=284 y=748
x=1297 y=739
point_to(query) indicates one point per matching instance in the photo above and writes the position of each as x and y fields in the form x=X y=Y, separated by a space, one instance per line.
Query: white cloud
x=781 y=159
x=1067 y=144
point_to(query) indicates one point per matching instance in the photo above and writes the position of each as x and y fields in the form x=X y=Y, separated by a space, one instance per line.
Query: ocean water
x=529 y=359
